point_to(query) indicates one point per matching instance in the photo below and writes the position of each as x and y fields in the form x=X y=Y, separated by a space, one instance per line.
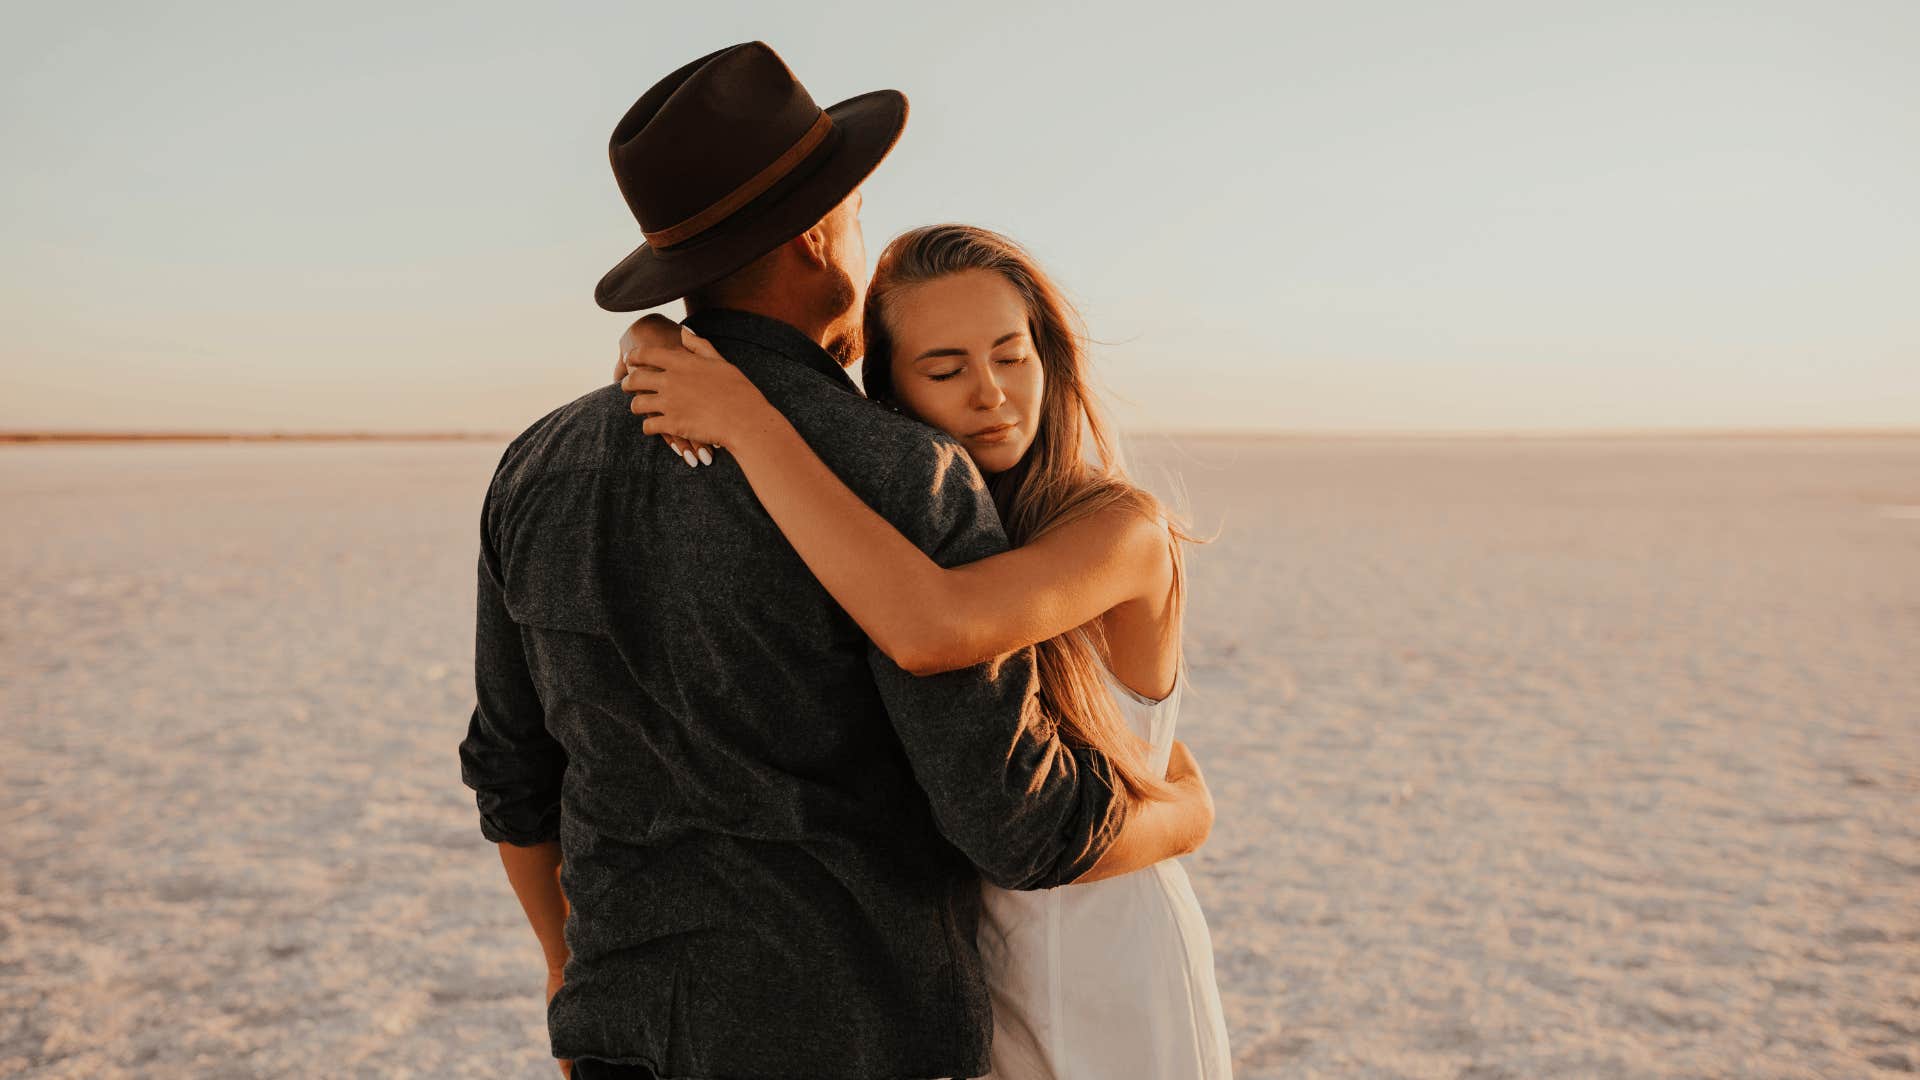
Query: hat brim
x=865 y=130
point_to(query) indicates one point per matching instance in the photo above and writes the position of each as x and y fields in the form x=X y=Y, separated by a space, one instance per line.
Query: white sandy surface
x=1532 y=759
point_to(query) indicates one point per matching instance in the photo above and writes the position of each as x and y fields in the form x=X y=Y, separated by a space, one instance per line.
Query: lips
x=997 y=429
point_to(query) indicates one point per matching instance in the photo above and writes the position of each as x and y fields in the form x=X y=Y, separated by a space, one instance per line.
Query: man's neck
x=770 y=333
x=771 y=308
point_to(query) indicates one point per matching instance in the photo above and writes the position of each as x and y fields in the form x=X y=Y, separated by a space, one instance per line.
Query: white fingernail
x=706 y=456
x=692 y=461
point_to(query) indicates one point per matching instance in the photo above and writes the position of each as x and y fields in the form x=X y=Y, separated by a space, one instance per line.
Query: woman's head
x=965 y=331
x=961 y=357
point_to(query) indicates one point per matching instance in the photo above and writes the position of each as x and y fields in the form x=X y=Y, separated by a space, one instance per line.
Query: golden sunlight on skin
x=963 y=361
x=847 y=248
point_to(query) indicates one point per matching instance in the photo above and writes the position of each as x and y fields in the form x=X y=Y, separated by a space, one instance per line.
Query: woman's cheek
x=1037 y=394
x=938 y=408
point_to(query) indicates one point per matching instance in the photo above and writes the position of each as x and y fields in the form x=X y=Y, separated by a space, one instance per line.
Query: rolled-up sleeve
x=1029 y=811
x=508 y=758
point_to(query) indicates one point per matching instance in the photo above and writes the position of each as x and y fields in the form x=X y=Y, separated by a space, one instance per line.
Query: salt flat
x=1533 y=758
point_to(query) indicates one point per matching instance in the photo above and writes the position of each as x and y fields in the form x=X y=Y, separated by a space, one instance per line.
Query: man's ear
x=812 y=246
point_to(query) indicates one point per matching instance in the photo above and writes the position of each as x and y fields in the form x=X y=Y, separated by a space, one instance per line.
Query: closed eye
x=1009 y=361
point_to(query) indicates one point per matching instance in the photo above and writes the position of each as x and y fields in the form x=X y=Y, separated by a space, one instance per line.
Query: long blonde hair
x=1054 y=483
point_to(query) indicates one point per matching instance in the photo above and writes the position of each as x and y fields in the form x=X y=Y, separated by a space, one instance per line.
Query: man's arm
x=511 y=762
x=1029 y=811
x=534 y=873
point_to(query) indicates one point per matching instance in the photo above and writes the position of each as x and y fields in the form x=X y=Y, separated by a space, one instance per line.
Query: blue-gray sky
x=1294 y=217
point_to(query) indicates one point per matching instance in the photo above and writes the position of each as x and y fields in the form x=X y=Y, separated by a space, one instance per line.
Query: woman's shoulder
x=1141 y=525
x=1122 y=534
x=1129 y=514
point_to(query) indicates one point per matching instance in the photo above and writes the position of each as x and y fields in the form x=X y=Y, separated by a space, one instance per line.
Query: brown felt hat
x=728 y=158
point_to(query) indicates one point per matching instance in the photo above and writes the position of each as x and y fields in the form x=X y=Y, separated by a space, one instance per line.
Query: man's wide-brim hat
x=728 y=158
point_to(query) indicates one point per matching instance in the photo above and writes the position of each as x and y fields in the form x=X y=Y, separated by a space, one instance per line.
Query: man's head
x=815 y=282
x=748 y=194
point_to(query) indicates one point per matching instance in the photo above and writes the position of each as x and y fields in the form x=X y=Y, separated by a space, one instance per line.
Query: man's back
x=758 y=812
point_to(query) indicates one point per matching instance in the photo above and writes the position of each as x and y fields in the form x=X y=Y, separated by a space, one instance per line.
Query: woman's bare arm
x=926 y=617
x=930 y=618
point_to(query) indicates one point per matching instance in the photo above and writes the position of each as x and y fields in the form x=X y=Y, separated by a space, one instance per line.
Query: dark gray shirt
x=772 y=836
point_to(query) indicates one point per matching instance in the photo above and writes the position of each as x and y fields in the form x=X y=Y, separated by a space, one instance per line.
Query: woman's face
x=963 y=362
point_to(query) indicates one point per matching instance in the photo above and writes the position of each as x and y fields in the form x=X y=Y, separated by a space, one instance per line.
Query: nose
x=986 y=390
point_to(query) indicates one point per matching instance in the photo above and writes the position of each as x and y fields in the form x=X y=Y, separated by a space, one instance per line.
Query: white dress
x=1113 y=979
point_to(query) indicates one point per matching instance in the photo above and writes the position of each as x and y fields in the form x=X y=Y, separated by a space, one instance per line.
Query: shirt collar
x=774 y=336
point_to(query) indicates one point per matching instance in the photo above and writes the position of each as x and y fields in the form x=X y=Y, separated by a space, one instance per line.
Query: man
x=749 y=844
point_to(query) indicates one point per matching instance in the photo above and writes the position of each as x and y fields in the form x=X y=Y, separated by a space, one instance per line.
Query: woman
x=1113 y=975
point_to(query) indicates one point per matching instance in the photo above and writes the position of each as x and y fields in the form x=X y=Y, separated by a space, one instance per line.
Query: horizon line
x=1241 y=434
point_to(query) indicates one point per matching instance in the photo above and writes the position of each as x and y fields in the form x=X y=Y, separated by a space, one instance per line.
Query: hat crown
x=705 y=130
x=727 y=158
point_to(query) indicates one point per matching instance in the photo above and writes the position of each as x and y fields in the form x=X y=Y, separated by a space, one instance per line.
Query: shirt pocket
x=558 y=586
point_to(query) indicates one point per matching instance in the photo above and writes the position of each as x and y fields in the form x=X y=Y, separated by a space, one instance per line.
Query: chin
x=844 y=348
x=998 y=459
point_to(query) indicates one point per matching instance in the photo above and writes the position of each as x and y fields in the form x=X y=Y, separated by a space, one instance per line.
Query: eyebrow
x=997 y=342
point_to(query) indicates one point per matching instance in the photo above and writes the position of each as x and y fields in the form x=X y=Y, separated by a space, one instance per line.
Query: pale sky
x=1275 y=216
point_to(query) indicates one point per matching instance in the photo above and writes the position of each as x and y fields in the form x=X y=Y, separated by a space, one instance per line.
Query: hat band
x=745 y=193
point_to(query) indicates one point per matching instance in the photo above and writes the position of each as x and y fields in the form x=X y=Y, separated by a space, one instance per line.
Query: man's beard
x=845 y=341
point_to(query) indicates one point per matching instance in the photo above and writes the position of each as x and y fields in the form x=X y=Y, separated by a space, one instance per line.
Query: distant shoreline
x=1625 y=434
x=1569 y=435
x=247 y=436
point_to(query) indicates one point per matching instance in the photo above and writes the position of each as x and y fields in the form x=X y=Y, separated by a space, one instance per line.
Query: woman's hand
x=1161 y=828
x=659 y=332
x=686 y=390
x=663 y=332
